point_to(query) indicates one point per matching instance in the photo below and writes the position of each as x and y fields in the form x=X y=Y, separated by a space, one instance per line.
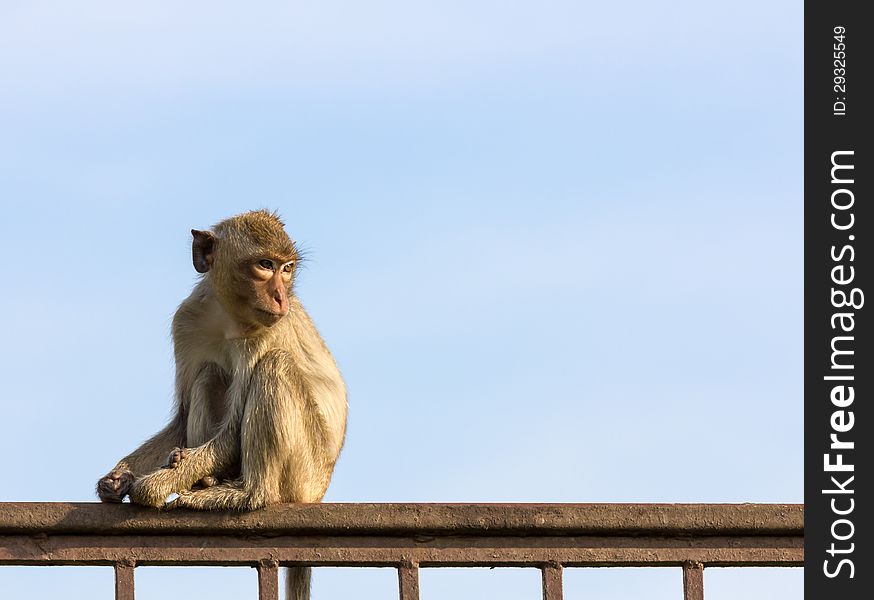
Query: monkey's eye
x=287 y=267
x=265 y=264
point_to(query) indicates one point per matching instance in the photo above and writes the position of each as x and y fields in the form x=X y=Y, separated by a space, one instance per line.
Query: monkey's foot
x=115 y=486
x=177 y=455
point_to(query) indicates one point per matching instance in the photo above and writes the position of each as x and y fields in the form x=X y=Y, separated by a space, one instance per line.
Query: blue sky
x=555 y=247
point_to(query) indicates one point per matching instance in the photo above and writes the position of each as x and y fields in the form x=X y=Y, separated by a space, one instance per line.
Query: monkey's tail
x=297 y=583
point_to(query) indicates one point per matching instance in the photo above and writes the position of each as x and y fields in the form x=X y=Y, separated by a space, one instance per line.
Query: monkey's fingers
x=115 y=486
x=204 y=483
x=177 y=455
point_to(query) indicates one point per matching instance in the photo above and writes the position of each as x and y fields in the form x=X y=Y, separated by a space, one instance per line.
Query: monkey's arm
x=154 y=451
x=116 y=484
x=215 y=456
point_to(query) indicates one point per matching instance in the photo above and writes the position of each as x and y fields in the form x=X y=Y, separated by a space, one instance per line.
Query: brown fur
x=260 y=404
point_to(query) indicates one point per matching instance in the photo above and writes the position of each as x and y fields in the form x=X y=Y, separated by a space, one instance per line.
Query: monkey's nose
x=281 y=300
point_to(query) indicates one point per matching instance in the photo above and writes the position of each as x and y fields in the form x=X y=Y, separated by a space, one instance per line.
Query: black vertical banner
x=838 y=363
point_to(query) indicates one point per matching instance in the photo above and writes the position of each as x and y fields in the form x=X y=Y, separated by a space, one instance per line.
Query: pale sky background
x=556 y=248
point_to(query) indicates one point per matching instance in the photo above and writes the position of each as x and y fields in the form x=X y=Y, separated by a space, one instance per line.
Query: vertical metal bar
x=693 y=580
x=408 y=581
x=124 y=580
x=268 y=580
x=552 y=586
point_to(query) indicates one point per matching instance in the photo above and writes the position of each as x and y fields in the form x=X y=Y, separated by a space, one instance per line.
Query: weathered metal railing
x=407 y=537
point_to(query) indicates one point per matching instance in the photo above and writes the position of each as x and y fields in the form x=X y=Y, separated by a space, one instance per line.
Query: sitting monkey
x=260 y=404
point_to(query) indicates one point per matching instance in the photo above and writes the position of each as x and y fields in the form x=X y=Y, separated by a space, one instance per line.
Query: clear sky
x=555 y=247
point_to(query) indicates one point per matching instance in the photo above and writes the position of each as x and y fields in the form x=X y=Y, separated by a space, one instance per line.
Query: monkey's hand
x=177 y=455
x=115 y=485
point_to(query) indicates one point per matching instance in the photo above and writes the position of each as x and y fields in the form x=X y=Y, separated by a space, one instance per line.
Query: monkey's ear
x=202 y=249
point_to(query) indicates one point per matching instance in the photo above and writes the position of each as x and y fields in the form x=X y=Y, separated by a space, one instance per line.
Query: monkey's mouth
x=269 y=316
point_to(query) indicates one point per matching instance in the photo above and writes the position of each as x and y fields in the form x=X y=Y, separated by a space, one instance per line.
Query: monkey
x=260 y=405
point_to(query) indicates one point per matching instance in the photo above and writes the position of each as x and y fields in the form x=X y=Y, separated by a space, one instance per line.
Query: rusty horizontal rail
x=402 y=519
x=406 y=537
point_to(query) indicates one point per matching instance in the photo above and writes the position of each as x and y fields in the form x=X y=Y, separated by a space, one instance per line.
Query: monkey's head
x=250 y=262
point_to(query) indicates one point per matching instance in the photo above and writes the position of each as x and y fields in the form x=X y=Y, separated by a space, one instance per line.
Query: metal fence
x=407 y=537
